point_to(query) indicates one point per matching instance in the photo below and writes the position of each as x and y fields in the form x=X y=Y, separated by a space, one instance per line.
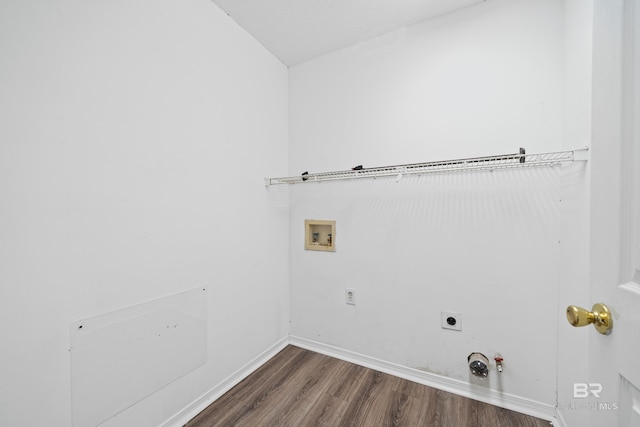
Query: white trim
x=461 y=388
x=199 y=405
x=559 y=421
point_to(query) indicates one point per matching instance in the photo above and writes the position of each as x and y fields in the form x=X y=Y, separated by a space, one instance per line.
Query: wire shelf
x=504 y=161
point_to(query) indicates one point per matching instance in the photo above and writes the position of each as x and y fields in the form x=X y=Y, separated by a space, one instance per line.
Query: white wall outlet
x=451 y=320
x=350 y=296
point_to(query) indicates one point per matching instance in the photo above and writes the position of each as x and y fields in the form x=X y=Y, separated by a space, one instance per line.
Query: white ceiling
x=298 y=30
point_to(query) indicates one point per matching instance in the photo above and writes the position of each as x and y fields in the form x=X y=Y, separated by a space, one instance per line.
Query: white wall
x=485 y=80
x=133 y=141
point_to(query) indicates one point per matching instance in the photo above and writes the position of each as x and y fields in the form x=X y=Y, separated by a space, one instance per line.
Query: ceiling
x=298 y=30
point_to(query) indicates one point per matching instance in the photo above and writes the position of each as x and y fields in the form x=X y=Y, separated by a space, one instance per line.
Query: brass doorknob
x=600 y=316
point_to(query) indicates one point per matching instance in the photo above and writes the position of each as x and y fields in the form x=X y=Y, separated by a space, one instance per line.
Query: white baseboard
x=503 y=400
x=461 y=388
x=188 y=413
x=559 y=421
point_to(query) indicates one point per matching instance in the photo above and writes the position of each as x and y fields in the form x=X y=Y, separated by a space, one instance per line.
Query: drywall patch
x=119 y=358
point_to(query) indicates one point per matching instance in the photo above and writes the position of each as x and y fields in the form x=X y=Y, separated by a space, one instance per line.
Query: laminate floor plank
x=270 y=406
x=328 y=411
x=300 y=388
x=268 y=377
x=366 y=405
x=454 y=410
x=290 y=405
x=351 y=382
x=488 y=413
x=221 y=415
x=392 y=410
x=317 y=402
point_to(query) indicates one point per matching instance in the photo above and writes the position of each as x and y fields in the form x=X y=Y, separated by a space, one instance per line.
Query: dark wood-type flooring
x=299 y=388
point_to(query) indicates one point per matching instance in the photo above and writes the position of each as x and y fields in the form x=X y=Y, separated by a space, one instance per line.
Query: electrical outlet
x=451 y=320
x=350 y=296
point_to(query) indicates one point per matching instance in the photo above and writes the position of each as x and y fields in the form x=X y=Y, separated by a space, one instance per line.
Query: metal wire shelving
x=503 y=161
